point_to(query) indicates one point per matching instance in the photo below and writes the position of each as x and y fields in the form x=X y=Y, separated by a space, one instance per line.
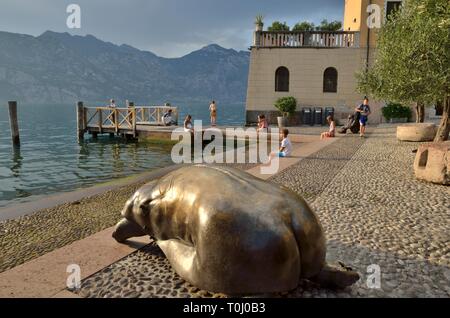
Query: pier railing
x=307 y=39
x=113 y=119
x=153 y=114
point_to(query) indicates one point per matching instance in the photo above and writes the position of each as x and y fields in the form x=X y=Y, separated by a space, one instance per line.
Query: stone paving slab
x=47 y=275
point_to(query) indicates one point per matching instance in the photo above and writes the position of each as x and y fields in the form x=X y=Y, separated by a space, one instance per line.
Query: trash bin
x=329 y=111
x=307 y=116
x=318 y=116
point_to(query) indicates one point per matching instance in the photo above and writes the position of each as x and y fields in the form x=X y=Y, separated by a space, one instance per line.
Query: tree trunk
x=444 y=127
x=420 y=112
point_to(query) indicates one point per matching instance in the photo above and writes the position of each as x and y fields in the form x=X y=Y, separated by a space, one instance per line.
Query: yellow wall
x=357 y=10
x=352 y=15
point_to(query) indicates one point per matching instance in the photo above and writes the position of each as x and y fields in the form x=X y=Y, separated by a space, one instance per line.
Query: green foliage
x=286 y=105
x=394 y=110
x=413 y=55
x=259 y=19
x=278 y=26
x=303 y=26
x=307 y=26
x=329 y=26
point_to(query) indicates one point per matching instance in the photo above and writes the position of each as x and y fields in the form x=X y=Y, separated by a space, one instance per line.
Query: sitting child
x=262 y=123
x=286 y=146
x=331 y=132
x=188 y=124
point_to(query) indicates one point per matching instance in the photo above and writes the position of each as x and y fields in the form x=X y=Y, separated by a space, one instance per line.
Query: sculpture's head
x=136 y=213
x=138 y=207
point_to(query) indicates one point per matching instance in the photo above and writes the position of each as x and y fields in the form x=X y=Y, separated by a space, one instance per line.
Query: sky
x=169 y=28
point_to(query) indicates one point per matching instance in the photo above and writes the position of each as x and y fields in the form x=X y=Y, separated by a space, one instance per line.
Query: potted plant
x=259 y=23
x=396 y=113
x=287 y=106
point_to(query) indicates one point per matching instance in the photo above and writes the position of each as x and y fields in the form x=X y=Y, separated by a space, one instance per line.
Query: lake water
x=50 y=159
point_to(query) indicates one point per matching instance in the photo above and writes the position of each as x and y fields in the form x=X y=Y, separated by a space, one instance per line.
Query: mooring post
x=12 y=105
x=80 y=120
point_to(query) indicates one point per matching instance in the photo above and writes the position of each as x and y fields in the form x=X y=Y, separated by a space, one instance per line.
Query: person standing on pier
x=213 y=112
x=112 y=103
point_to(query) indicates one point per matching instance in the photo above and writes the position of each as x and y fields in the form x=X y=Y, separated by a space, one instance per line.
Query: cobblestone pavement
x=31 y=236
x=313 y=174
x=372 y=209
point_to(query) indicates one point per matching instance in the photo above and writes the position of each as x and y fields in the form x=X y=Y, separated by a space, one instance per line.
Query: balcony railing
x=310 y=39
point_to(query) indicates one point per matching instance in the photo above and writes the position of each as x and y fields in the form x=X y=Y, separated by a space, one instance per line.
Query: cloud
x=166 y=27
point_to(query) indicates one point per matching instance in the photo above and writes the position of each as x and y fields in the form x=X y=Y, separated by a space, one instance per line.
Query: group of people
x=286 y=146
x=263 y=125
x=363 y=110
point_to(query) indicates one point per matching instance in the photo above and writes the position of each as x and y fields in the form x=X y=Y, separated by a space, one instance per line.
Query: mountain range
x=63 y=68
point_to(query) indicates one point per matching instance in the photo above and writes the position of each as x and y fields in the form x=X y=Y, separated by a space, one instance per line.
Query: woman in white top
x=213 y=112
x=331 y=132
x=188 y=124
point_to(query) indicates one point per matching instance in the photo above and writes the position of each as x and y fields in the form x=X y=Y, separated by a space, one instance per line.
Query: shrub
x=286 y=105
x=303 y=26
x=393 y=110
x=278 y=26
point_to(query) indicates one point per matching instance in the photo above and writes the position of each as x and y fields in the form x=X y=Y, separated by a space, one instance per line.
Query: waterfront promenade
x=372 y=208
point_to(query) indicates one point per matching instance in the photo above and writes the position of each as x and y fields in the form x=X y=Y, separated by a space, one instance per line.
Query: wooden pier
x=143 y=122
x=132 y=121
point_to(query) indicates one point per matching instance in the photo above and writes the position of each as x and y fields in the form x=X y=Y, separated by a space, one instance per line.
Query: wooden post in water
x=80 y=121
x=13 y=123
x=133 y=118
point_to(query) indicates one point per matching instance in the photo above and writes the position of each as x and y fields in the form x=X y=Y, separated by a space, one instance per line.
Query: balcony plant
x=259 y=23
x=287 y=106
x=396 y=113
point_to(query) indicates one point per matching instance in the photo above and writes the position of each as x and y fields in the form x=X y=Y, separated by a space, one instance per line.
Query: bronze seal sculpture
x=224 y=230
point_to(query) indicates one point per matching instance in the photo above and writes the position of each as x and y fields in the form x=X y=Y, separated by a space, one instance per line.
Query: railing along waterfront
x=107 y=119
x=293 y=39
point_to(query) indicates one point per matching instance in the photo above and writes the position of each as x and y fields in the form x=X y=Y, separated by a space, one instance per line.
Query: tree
x=329 y=26
x=413 y=59
x=303 y=26
x=278 y=26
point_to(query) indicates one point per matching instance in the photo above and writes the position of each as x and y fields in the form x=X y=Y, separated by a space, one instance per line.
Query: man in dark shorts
x=364 y=109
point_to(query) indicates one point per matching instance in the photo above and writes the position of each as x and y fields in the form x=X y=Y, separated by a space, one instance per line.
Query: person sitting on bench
x=167 y=118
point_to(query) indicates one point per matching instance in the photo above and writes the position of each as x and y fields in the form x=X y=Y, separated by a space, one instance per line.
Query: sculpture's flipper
x=126 y=229
x=181 y=256
x=336 y=277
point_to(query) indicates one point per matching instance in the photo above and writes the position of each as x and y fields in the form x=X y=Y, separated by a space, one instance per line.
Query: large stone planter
x=416 y=132
x=432 y=163
x=282 y=121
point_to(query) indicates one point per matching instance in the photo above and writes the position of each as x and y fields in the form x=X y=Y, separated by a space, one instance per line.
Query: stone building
x=317 y=68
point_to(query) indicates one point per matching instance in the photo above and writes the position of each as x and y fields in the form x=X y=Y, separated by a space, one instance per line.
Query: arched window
x=330 y=80
x=282 y=79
